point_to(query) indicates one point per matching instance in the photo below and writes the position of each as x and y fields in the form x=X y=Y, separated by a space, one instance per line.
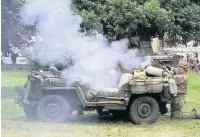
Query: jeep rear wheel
x=29 y=111
x=144 y=110
x=53 y=108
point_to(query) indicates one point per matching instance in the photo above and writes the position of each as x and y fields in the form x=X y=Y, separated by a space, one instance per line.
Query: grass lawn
x=16 y=124
x=13 y=78
x=11 y=81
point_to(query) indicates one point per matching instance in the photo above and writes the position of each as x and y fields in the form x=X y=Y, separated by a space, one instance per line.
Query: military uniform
x=179 y=100
x=193 y=61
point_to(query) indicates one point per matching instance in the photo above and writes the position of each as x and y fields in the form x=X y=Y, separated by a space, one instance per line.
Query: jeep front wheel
x=53 y=108
x=144 y=110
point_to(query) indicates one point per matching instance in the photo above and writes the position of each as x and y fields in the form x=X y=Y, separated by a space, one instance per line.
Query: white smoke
x=95 y=61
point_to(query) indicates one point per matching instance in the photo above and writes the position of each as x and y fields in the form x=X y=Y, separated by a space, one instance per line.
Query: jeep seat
x=125 y=78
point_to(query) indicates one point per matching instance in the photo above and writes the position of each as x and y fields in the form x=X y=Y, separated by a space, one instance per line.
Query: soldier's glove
x=197 y=115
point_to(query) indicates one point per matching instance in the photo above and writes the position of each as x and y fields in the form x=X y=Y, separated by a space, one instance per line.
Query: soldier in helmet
x=180 y=76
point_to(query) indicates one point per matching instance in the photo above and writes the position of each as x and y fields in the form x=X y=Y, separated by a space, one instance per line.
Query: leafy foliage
x=124 y=18
x=145 y=18
x=14 y=33
x=185 y=20
x=116 y=19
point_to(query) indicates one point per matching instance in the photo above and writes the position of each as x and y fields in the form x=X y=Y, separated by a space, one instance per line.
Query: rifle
x=163 y=64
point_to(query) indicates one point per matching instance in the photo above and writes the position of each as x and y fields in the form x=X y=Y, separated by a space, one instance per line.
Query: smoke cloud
x=94 y=59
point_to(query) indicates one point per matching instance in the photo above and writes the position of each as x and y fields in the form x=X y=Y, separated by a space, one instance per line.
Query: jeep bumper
x=22 y=95
x=19 y=97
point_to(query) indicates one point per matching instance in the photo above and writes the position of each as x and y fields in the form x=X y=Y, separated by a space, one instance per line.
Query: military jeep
x=141 y=98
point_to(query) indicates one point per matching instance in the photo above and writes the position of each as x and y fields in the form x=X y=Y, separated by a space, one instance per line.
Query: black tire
x=29 y=111
x=144 y=110
x=53 y=108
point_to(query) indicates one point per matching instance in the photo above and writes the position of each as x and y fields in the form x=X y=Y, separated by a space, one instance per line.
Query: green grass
x=194 y=82
x=13 y=78
x=16 y=124
x=11 y=81
x=193 y=97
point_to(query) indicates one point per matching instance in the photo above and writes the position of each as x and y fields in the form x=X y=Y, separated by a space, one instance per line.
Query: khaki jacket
x=181 y=82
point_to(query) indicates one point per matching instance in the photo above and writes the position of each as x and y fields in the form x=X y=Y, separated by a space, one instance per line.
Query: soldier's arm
x=179 y=79
x=172 y=70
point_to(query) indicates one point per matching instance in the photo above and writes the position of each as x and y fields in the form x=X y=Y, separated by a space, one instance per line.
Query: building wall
x=156 y=44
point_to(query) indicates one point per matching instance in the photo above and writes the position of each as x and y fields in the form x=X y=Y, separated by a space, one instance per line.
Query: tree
x=145 y=18
x=124 y=18
x=14 y=33
x=185 y=20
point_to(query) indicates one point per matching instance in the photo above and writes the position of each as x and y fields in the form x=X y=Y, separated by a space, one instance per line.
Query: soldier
x=180 y=76
x=194 y=62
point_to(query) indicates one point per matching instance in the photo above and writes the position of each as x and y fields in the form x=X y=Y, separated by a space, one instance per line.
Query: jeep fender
x=74 y=95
